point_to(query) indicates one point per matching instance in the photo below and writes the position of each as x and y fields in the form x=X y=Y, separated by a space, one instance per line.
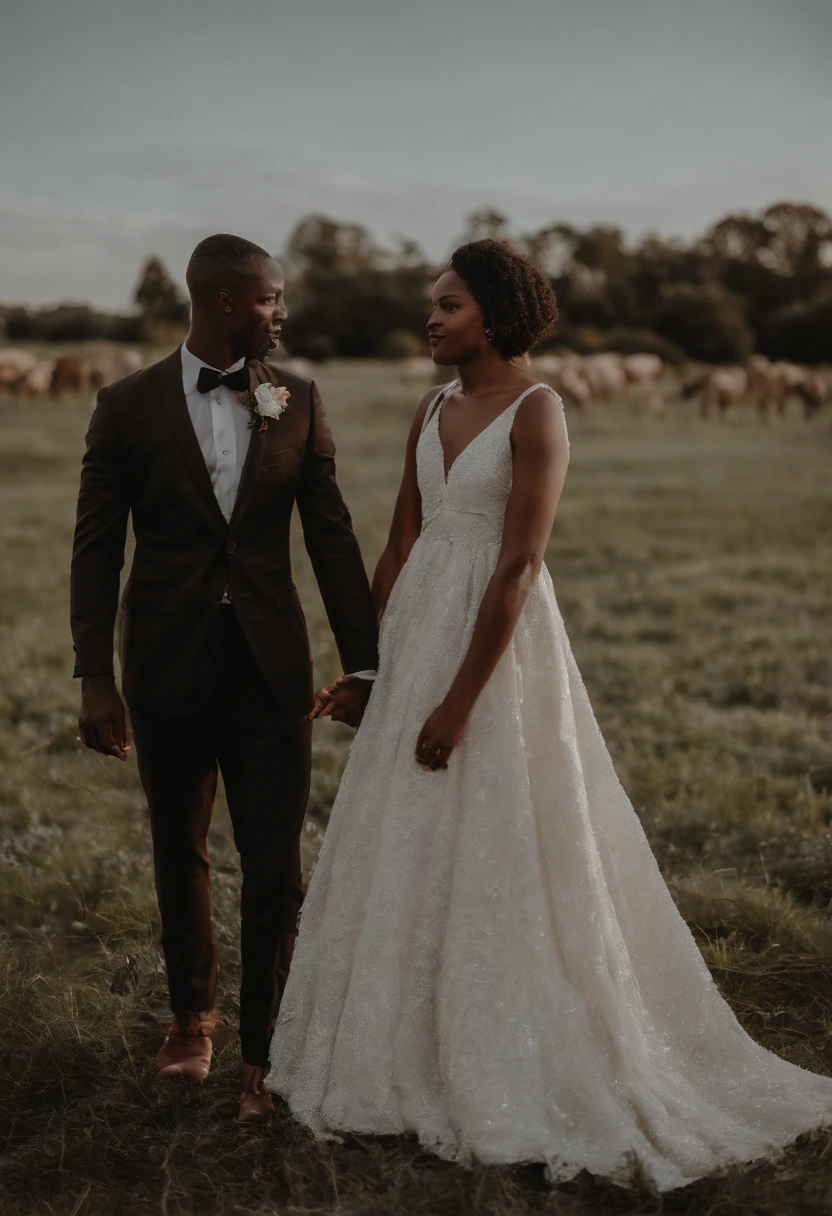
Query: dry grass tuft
x=692 y=564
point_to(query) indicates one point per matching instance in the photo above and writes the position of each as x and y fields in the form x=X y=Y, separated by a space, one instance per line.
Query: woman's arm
x=541 y=457
x=407 y=515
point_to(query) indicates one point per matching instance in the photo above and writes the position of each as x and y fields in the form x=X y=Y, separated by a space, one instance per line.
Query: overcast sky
x=131 y=128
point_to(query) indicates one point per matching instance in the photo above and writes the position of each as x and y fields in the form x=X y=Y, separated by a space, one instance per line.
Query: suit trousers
x=265 y=761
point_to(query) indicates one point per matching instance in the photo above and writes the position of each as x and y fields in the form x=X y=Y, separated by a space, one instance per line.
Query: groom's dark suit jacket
x=143 y=455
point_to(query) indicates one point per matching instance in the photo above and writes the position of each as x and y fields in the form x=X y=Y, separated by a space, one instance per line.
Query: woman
x=488 y=956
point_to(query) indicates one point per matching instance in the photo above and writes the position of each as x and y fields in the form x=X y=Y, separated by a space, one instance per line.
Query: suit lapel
x=176 y=407
x=256 y=447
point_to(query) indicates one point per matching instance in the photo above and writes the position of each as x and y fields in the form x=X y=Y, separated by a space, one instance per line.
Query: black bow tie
x=210 y=379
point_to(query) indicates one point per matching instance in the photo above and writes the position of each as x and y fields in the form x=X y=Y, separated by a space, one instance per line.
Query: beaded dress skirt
x=488 y=956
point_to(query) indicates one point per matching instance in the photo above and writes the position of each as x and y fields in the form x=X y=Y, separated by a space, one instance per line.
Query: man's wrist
x=97 y=678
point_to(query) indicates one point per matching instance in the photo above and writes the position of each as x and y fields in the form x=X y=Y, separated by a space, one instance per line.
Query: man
x=209 y=450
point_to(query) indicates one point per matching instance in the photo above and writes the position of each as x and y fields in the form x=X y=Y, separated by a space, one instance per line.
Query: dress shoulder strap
x=512 y=409
x=433 y=408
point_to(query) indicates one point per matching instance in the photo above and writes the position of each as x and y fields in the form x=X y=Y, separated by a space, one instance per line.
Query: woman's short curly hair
x=517 y=300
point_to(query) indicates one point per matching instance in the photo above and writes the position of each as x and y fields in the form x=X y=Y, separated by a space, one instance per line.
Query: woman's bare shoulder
x=539 y=418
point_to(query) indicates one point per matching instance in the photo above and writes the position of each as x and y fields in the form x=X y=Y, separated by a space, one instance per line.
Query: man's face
x=257 y=311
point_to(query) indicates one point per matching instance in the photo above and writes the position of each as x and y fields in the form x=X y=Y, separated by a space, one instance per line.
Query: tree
x=802 y=331
x=552 y=248
x=323 y=246
x=751 y=281
x=485 y=223
x=72 y=323
x=347 y=296
x=706 y=321
x=158 y=296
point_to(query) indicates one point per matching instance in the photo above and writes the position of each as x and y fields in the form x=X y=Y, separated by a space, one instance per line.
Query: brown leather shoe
x=186 y=1052
x=255 y=1106
x=255 y=1100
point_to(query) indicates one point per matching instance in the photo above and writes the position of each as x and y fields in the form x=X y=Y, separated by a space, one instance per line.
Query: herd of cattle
x=580 y=379
x=26 y=375
x=760 y=383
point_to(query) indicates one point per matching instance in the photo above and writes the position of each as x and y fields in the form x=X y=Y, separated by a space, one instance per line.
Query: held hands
x=439 y=736
x=103 y=718
x=343 y=701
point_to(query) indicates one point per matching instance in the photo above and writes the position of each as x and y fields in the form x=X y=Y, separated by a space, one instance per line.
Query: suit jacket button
x=231 y=546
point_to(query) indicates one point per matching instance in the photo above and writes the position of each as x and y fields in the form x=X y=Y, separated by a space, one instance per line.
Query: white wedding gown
x=488 y=956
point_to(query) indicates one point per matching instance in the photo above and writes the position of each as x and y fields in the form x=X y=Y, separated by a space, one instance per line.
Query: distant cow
x=771 y=385
x=15 y=365
x=67 y=376
x=573 y=386
x=642 y=369
x=38 y=381
x=605 y=375
x=105 y=368
x=802 y=383
x=565 y=374
x=718 y=386
x=766 y=387
x=812 y=391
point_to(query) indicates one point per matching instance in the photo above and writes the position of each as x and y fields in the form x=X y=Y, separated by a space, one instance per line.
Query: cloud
x=156 y=124
x=51 y=253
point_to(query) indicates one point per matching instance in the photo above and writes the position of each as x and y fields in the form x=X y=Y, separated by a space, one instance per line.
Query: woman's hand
x=324 y=701
x=343 y=701
x=439 y=736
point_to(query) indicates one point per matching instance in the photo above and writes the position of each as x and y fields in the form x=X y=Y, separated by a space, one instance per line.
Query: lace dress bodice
x=470 y=504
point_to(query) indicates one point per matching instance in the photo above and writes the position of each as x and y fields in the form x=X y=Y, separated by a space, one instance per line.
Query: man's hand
x=103 y=719
x=343 y=701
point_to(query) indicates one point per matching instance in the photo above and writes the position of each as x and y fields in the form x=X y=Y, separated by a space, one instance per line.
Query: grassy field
x=693 y=564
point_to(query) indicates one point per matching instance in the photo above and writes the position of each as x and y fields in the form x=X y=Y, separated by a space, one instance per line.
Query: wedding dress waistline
x=462 y=527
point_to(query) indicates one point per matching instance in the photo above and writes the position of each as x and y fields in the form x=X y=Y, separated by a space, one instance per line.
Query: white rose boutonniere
x=266 y=402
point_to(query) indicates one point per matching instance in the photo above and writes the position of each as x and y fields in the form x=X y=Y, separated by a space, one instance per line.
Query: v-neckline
x=448 y=469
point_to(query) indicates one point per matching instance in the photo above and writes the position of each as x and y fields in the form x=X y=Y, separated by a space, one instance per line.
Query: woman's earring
x=488 y=335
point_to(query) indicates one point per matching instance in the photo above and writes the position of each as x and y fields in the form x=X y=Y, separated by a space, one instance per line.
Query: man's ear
x=225 y=300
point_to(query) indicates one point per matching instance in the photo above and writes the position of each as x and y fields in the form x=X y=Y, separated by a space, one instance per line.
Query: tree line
x=751 y=283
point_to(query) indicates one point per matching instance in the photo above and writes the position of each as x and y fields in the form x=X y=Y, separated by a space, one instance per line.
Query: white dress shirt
x=221 y=427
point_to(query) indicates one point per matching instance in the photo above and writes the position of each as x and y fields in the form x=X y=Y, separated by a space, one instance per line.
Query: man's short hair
x=222 y=253
x=227 y=248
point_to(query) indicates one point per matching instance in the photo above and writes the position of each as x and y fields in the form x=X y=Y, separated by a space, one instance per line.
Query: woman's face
x=455 y=327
